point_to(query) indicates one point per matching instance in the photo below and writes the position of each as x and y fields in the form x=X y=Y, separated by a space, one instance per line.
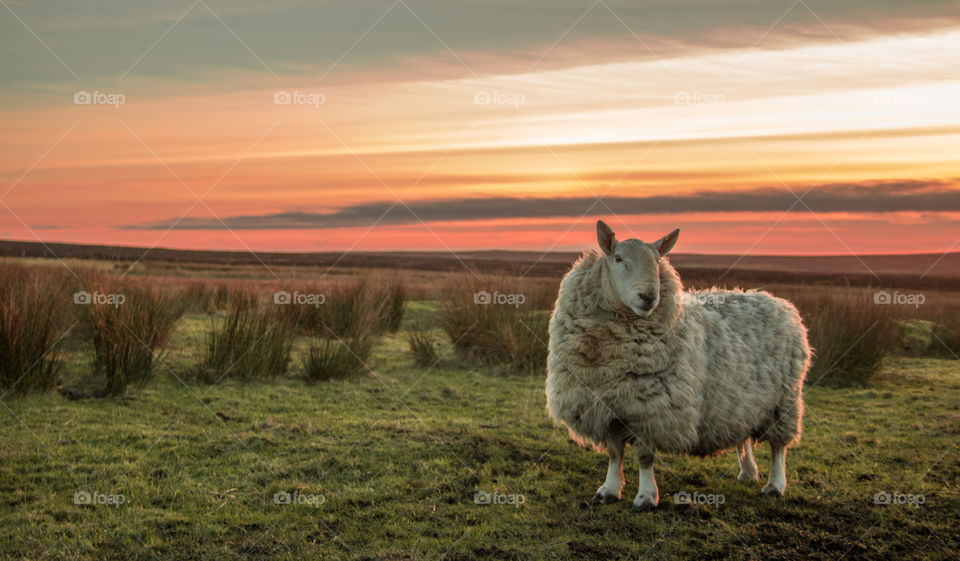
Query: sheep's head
x=635 y=267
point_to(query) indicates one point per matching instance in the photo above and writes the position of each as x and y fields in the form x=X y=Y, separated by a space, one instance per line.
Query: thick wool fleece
x=703 y=373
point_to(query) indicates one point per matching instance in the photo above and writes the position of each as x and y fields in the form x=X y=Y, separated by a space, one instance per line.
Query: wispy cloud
x=102 y=38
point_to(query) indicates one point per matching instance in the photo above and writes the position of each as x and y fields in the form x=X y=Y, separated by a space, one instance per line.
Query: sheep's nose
x=646 y=299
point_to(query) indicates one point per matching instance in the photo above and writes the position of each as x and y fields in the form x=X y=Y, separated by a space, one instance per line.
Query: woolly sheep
x=635 y=359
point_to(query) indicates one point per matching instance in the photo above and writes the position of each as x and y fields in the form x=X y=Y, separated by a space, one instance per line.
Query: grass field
x=388 y=464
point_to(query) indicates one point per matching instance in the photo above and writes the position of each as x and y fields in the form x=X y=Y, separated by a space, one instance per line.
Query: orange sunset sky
x=761 y=127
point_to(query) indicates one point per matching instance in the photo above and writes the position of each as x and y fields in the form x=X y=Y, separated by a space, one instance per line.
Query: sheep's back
x=757 y=353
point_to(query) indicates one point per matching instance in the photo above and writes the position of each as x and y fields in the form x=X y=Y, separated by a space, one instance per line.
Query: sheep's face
x=635 y=268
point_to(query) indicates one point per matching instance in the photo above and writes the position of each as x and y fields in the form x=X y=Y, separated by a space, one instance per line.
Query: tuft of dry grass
x=394 y=295
x=251 y=342
x=344 y=309
x=526 y=343
x=423 y=347
x=347 y=319
x=206 y=297
x=495 y=321
x=33 y=309
x=332 y=358
x=127 y=331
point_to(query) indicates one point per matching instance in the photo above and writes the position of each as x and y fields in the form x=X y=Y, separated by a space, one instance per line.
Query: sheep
x=635 y=359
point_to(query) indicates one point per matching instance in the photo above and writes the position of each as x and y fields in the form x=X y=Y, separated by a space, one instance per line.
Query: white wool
x=704 y=372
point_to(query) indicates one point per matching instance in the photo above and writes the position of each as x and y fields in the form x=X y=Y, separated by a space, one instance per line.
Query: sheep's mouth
x=636 y=312
x=642 y=313
x=645 y=312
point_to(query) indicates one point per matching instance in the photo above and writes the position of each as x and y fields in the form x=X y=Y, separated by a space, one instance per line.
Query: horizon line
x=441 y=252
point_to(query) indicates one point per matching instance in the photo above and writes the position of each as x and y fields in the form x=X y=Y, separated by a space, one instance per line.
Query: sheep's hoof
x=771 y=490
x=604 y=498
x=644 y=505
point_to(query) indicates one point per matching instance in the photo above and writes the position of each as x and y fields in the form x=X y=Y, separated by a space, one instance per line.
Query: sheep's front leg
x=609 y=492
x=647 y=496
x=778 y=472
x=748 y=466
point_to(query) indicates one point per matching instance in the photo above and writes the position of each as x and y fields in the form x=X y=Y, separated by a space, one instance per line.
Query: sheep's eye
x=618 y=259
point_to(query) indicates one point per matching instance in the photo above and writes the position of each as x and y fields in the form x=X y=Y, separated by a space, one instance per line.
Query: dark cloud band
x=871 y=198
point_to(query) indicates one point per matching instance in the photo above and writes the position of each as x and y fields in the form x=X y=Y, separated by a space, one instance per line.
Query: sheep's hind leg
x=778 y=472
x=748 y=466
x=647 y=496
x=609 y=492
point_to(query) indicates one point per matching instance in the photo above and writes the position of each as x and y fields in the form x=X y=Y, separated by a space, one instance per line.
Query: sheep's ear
x=665 y=244
x=605 y=237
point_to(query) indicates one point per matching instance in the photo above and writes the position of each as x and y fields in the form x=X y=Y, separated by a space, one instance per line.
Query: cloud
x=100 y=39
x=869 y=198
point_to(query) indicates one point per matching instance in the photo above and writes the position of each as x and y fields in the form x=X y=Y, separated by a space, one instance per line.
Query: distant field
x=935 y=267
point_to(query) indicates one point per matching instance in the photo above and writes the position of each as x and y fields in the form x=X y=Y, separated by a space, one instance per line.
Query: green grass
x=398 y=455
